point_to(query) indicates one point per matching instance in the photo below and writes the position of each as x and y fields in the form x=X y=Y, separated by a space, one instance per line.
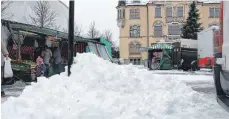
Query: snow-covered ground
x=201 y=72
x=98 y=89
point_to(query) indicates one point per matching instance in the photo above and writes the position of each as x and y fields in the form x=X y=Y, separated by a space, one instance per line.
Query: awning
x=161 y=46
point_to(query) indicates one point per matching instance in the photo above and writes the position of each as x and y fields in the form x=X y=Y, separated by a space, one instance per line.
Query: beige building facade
x=143 y=24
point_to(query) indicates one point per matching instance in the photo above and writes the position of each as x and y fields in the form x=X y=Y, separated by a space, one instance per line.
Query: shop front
x=26 y=42
x=161 y=56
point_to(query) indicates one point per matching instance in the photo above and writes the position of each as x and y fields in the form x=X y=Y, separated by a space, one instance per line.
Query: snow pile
x=98 y=89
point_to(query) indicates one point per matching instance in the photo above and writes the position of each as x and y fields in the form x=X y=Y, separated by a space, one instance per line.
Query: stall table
x=24 y=70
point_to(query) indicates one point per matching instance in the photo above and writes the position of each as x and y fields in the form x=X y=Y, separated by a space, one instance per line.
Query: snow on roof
x=142 y=3
x=188 y=43
x=215 y=27
x=209 y=1
x=210 y=28
x=131 y=3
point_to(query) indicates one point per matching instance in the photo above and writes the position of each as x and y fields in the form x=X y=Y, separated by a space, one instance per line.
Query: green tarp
x=160 y=46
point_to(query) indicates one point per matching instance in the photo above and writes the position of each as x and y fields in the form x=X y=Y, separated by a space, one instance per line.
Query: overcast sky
x=103 y=12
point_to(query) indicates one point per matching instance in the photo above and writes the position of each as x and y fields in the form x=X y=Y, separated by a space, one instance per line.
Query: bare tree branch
x=93 y=32
x=43 y=15
x=77 y=30
x=5 y=4
x=108 y=35
x=57 y=27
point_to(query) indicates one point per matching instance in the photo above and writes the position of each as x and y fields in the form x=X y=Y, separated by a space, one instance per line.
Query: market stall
x=27 y=41
x=161 y=56
x=21 y=51
x=81 y=46
x=25 y=45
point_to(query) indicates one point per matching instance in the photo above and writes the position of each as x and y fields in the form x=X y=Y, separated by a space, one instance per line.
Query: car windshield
x=103 y=52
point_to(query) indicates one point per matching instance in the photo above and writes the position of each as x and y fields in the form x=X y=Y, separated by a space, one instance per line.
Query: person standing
x=4 y=54
x=46 y=55
x=40 y=69
x=57 y=60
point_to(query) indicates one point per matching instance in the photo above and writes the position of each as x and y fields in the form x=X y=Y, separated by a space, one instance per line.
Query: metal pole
x=70 y=35
x=19 y=45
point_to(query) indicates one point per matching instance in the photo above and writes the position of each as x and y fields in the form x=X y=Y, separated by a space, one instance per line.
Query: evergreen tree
x=192 y=27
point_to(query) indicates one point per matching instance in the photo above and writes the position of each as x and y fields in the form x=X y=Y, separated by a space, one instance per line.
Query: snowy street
x=124 y=92
x=202 y=83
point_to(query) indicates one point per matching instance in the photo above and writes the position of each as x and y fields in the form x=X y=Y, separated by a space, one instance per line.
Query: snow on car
x=99 y=89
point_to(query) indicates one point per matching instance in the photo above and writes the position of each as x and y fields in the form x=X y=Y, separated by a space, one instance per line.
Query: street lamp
x=70 y=35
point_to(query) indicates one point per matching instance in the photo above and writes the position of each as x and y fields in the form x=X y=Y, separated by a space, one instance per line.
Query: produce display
x=24 y=65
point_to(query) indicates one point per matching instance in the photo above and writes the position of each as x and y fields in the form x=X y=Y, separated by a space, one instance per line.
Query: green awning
x=161 y=46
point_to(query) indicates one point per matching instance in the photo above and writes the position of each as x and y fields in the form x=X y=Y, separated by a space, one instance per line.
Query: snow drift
x=98 y=89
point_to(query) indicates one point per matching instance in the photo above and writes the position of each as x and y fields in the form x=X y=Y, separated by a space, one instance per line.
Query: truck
x=188 y=54
x=221 y=67
x=207 y=46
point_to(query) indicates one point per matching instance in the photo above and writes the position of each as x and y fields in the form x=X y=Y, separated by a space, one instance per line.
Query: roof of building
x=209 y=1
x=136 y=4
x=130 y=3
x=39 y=30
x=188 y=43
x=63 y=4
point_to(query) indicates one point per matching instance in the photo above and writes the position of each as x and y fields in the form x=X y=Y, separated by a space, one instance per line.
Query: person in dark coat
x=150 y=56
x=46 y=55
x=57 y=60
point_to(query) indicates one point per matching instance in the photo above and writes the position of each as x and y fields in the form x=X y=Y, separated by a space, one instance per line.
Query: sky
x=103 y=12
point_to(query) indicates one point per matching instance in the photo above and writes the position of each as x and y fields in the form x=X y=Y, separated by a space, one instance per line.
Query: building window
x=217 y=12
x=133 y=48
x=135 y=31
x=211 y=12
x=169 y=12
x=134 y=13
x=138 y=46
x=138 y=61
x=158 y=29
x=135 y=61
x=121 y=13
x=180 y=12
x=214 y=12
x=118 y=14
x=158 y=12
x=174 y=29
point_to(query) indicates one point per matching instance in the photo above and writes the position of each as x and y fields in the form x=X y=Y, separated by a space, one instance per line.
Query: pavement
x=13 y=90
